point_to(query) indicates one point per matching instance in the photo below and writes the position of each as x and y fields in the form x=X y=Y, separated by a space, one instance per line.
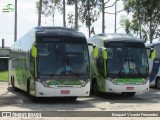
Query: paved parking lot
x=19 y=101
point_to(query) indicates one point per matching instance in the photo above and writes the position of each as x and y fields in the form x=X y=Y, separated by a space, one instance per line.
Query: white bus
x=155 y=65
x=121 y=66
x=51 y=62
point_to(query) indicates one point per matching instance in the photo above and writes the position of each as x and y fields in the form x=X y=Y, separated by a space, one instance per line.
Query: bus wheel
x=28 y=92
x=95 y=88
x=129 y=93
x=73 y=98
x=13 y=85
x=158 y=83
x=28 y=89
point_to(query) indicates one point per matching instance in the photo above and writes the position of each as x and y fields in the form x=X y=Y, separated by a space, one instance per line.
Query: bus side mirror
x=34 y=51
x=105 y=54
x=153 y=54
x=95 y=51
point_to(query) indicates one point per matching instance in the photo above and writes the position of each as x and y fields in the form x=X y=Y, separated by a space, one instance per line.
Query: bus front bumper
x=110 y=87
x=42 y=91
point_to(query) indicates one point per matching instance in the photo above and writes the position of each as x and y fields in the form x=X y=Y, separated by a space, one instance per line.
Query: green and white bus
x=154 y=64
x=51 y=62
x=121 y=65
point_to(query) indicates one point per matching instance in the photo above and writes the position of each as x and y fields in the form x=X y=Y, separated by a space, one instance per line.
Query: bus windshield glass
x=62 y=59
x=124 y=62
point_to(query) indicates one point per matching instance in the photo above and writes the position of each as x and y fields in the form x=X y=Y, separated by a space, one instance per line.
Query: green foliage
x=88 y=12
x=132 y=27
x=71 y=19
x=3 y=75
x=127 y=26
x=146 y=17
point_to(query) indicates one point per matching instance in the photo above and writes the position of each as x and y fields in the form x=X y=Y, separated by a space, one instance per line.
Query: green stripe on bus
x=130 y=80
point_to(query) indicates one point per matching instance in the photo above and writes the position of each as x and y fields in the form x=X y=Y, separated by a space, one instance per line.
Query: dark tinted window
x=123 y=43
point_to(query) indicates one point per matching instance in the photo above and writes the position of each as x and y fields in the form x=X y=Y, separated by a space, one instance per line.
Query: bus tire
x=73 y=98
x=95 y=88
x=158 y=83
x=28 y=88
x=13 y=84
x=28 y=92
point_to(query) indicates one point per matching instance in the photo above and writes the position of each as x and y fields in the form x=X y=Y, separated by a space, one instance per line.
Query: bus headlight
x=114 y=81
x=84 y=82
x=45 y=83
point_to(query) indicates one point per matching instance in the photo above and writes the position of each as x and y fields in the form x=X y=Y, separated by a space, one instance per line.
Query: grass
x=4 y=76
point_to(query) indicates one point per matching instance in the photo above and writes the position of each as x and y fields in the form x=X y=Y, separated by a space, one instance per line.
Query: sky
x=27 y=18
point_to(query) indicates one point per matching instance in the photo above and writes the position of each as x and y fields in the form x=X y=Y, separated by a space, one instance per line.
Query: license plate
x=65 y=91
x=130 y=88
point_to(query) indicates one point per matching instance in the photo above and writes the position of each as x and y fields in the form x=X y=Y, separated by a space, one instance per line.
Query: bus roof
x=57 y=31
x=118 y=37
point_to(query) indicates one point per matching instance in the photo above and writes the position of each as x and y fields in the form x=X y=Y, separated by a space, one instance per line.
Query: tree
x=104 y=6
x=132 y=27
x=39 y=12
x=71 y=19
x=158 y=33
x=71 y=15
x=49 y=8
x=64 y=13
x=88 y=13
x=127 y=26
x=146 y=16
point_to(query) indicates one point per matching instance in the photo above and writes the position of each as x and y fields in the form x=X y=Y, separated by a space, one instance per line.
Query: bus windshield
x=65 y=59
x=125 y=62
